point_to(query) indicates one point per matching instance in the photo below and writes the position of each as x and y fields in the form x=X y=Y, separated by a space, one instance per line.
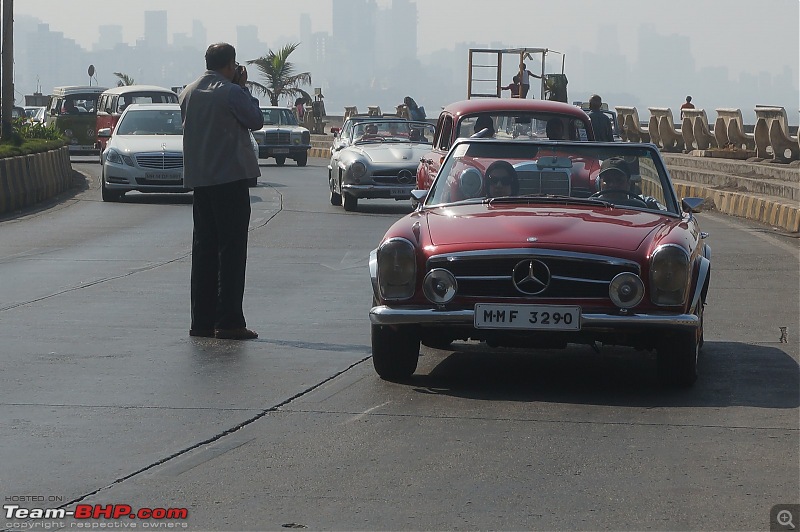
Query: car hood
x=590 y=227
x=393 y=153
x=150 y=143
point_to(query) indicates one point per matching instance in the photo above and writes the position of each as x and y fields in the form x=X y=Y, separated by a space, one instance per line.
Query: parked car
x=144 y=153
x=113 y=102
x=557 y=258
x=510 y=118
x=344 y=136
x=282 y=137
x=36 y=114
x=380 y=162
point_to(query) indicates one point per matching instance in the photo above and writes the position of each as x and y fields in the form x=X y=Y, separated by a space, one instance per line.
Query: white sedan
x=144 y=152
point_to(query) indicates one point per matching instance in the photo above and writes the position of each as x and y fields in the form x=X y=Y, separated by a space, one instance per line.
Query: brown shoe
x=242 y=333
x=203 y=333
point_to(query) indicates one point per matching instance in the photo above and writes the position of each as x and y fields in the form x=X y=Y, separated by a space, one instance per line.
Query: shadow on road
x=157 y=199
x=731 y=374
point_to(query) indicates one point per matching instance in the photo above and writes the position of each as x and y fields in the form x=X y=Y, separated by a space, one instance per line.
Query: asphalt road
x=107 y=400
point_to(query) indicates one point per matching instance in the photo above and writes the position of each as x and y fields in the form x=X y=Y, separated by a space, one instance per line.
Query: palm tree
x=124 y=79
x=279 y=73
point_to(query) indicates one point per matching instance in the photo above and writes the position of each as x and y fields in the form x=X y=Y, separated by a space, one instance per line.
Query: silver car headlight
x=626 y=290
x=439 y=286
x=397 y=269
x=669 y=275
x=357 y=169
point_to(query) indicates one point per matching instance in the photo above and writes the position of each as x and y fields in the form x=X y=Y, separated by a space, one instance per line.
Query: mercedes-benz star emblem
x=531 y=277
x=405 y=177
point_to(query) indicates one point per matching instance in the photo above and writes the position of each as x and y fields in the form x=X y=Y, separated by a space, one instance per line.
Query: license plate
x=399 y=192
x=280 y=150
x=533 y=317
x=162 y=177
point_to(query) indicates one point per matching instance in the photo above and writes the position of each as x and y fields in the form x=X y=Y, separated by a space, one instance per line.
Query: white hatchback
x=144 y=152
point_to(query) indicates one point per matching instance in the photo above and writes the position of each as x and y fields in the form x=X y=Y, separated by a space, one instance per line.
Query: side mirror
x=419 y=195
x=104 y=132
x=335 y=131
x=692 y=205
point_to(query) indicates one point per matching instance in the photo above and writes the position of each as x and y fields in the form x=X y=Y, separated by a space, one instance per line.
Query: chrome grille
x=573 y=275
x=277 y=137
x=160 y=160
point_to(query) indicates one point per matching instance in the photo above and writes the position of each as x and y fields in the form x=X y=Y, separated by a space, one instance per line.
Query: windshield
x=151 y=122
x=279 y=117
x=523 y=126
x=625 y=175
x=393 y=131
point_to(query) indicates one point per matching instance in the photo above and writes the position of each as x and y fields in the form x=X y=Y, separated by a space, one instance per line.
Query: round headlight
x=357 y=169
x=439 y=286
x=626 y=290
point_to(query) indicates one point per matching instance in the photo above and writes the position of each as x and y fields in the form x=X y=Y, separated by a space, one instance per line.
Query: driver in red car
x=615 y=185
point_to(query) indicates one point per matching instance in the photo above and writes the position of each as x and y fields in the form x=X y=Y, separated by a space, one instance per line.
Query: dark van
x=113 y=101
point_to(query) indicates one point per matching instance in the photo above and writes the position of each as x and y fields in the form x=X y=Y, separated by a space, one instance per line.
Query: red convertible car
x=506 y=118
x=540 y=244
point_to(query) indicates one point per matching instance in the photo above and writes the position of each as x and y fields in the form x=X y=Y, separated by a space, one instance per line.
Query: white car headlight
x=669 y=275
x=113 y=156
x=397 y=269
x=357 y=169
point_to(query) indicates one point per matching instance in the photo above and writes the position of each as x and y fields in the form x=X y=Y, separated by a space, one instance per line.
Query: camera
x=237 y=76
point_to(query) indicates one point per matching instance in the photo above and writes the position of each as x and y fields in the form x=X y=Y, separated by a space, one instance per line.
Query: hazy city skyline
x=692 y=39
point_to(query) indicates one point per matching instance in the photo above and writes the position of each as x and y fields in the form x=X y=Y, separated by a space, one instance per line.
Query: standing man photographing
x=217 y=111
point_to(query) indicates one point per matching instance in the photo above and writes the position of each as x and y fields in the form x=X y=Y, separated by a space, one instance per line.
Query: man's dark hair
x=219 y=55
x=595 y=102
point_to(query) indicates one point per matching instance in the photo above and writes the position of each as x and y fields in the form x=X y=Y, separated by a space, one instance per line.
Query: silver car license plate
x=399 y=192
x=534 y=317
x=279 y=151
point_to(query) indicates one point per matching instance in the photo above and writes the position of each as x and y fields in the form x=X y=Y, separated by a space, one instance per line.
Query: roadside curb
x=752 y=207
x=29 y=179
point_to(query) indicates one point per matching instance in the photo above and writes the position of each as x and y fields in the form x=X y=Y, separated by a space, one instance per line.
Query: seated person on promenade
x=502 y=180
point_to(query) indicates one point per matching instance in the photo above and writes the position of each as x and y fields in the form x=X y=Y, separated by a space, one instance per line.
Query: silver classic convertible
x=379 y=161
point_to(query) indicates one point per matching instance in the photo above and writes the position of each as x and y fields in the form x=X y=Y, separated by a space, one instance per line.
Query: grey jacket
x=217 y=115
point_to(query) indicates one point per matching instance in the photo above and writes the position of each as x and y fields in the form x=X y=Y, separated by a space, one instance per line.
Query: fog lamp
x=439 y=286
x=626 y=290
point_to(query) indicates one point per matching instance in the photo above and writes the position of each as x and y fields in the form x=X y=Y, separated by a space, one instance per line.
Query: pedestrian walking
x=218 y=114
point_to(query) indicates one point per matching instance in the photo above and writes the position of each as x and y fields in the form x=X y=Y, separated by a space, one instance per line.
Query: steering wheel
x=632 y=200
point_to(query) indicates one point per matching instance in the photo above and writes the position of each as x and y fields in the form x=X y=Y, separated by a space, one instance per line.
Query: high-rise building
x=155 y=29
x=109 y=37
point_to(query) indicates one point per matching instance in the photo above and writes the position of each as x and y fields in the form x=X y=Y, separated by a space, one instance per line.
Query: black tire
x=336 y=198
x=395 y=351
x=349 y=201
x=109 y=195
x=677 y=359
x=302 y=160
x=280 y=161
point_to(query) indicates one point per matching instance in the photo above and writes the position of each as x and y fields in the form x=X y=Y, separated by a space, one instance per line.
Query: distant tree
x=124 y=79
x=279 y=73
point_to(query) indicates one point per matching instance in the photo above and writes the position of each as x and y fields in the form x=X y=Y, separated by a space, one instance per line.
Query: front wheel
x=336 y=198
x=677 y=359
x=350 y=202
x=109 y=195
x=280 y=161
x=302 y=160
x=395 y=351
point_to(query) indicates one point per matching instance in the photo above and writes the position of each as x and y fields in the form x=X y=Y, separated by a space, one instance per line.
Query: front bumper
x=397 y=192
x=283 y=150
x=385 y=315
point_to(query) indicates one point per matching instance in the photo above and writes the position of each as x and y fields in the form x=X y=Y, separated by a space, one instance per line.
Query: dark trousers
x=219 y=255
x=524 y=91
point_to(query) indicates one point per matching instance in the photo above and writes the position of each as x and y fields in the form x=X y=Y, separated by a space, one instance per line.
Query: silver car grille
x=395 y=177
x=569 y=275
x=277 y=137
x=160 y=160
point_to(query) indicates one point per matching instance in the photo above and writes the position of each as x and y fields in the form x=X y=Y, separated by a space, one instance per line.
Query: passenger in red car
x=502 y=180
x=615 y=176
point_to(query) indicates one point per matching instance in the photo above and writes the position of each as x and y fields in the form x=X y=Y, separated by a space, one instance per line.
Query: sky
x=743 y=35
